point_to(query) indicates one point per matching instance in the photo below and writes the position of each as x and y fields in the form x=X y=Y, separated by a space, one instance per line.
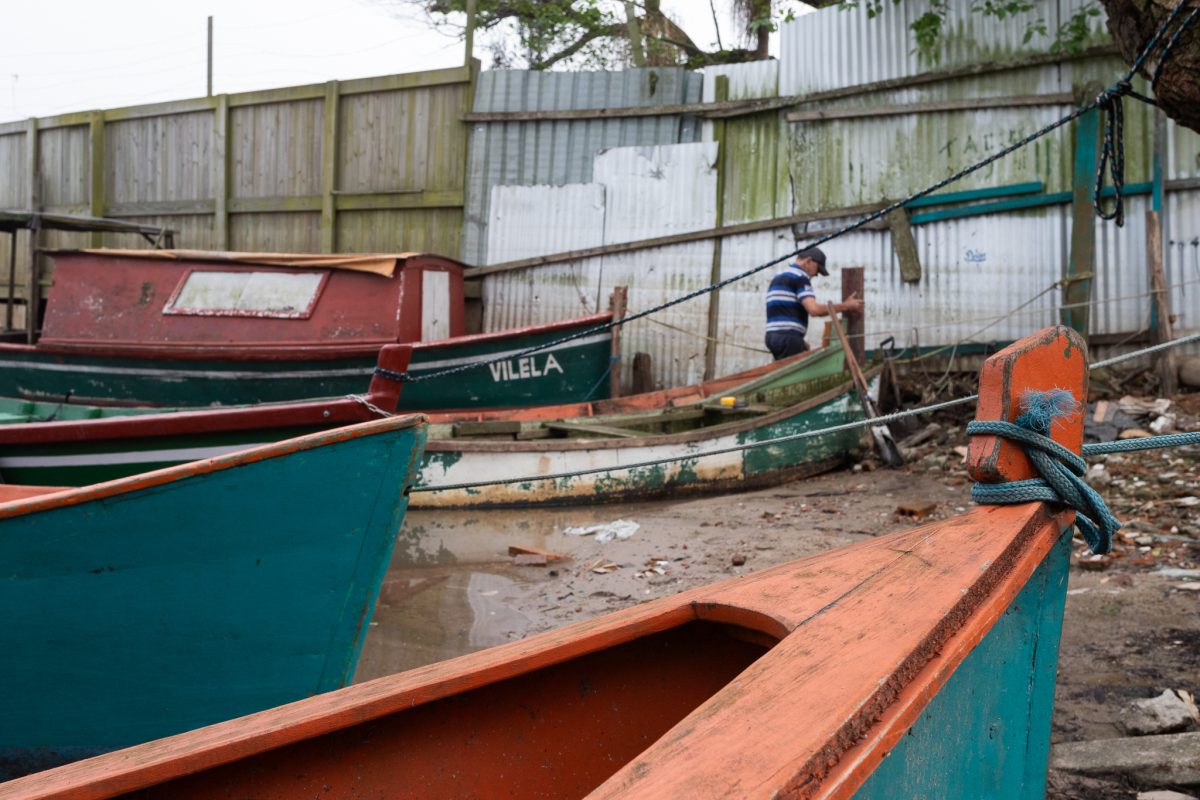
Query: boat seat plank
x=606 y=431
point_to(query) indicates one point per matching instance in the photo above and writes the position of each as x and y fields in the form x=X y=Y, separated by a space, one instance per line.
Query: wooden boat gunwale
x=82 y=494
x=647 y=440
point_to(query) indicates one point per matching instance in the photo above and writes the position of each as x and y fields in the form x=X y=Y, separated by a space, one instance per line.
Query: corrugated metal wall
x=376 y=164
x=985 y=278
x=555 y=153
x=636 y=193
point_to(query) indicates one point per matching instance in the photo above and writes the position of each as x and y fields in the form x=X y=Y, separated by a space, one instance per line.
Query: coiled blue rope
x=1060 y=471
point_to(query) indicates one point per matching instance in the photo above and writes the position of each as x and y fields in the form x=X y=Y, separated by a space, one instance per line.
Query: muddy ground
x=1131 y=630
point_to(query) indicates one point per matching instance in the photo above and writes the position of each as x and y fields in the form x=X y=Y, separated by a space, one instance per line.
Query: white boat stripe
x=182 y=454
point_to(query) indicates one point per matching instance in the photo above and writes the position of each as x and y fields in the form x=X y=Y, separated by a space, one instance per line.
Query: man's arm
x=815 y=309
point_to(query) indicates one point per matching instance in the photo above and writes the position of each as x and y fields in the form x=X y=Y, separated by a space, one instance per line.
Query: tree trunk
x=1132 y=23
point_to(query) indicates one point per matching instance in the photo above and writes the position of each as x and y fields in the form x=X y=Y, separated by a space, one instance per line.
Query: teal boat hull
x=164 y=602
x=575 y=371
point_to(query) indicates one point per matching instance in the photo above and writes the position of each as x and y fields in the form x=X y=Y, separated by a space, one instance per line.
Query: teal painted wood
x=572 y=372
x=946 y=198
x=576 y=371
x=1019 y=204
x=82 y=463
x=986 y=735
x=153 y=382
x=167 y=607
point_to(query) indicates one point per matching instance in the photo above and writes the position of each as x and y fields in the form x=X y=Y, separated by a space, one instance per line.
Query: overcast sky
x=79 y=55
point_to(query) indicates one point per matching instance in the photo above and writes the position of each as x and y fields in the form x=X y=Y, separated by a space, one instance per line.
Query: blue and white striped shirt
x=785 y=296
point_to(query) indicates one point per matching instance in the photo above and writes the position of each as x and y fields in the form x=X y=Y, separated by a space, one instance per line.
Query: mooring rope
x=1109 y=98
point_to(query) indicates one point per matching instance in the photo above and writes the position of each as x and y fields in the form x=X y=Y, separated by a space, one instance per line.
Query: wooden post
x=1161 y=320
x=852 y=283
x=33 y=293
x=618 y=302
x=904 y=245
x=329 y=158
x=714 y=274
x=1078 y=289
x=96 y=207
x=12 y=280
x=643 y=380
x=220 y=168
x=1053 y=358
x=1164 y=361
x=210 y=42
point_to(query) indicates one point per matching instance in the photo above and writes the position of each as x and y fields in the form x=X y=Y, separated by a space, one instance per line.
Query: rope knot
x=1060 y=471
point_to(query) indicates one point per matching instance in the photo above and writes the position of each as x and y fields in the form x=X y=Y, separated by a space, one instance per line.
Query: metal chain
x=363 y=401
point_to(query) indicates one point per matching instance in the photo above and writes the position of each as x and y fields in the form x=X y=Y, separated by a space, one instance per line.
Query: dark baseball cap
x=817 y=255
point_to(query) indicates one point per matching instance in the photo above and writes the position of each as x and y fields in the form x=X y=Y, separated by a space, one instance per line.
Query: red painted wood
x=117 y=301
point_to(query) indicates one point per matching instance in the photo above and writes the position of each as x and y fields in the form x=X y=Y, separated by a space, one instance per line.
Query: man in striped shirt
x=791 y=300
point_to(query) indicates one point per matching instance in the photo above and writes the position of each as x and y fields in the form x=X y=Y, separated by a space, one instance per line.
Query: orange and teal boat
x=162 y=602
x=916 y=664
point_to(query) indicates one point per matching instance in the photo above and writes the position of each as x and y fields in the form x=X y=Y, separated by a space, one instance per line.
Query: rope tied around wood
x=1060 y=471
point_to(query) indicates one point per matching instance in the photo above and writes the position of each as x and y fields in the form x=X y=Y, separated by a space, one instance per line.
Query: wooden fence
x=376 y=164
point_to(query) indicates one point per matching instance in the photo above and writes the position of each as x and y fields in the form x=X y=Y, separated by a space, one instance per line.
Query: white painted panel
x=272 y=294
x=435 y=305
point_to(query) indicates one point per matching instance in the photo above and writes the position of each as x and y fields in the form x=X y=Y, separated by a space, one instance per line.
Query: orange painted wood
x=1055 y=358
x=857 y=626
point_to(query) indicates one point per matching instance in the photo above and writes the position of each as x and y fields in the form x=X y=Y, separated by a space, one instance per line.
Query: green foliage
x=929 y=28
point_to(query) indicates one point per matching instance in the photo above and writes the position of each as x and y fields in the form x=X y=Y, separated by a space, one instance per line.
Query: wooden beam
x=714 y=274
x=904 y=245
x=96 y=171
x=853 y=284
x=34 y=176
x=1164 y=361
x=679 y=238
x=934 y=107
x=221 y=171
x=1077 y=292
x=329 y=159
x=618 y=304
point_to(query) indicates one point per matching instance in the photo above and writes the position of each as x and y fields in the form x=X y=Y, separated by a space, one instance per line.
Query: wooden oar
x=884 y=442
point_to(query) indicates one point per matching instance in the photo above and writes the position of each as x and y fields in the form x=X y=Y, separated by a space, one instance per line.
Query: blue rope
x=1144 y=443
x=1060 y=471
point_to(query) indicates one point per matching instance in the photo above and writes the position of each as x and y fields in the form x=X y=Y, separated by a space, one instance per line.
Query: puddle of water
x=451 y=589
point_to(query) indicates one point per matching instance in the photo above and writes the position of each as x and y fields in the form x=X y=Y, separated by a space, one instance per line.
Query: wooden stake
x=884 y=442
x=618 y=302
x=1164 y=360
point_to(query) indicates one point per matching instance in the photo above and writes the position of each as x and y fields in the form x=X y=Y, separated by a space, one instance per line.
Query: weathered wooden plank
x=934 y=107
x=904 y=245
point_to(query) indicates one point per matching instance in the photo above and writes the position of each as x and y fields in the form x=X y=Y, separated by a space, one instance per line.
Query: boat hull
x=574 y=371
x=150 y=606
x=449 y=462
